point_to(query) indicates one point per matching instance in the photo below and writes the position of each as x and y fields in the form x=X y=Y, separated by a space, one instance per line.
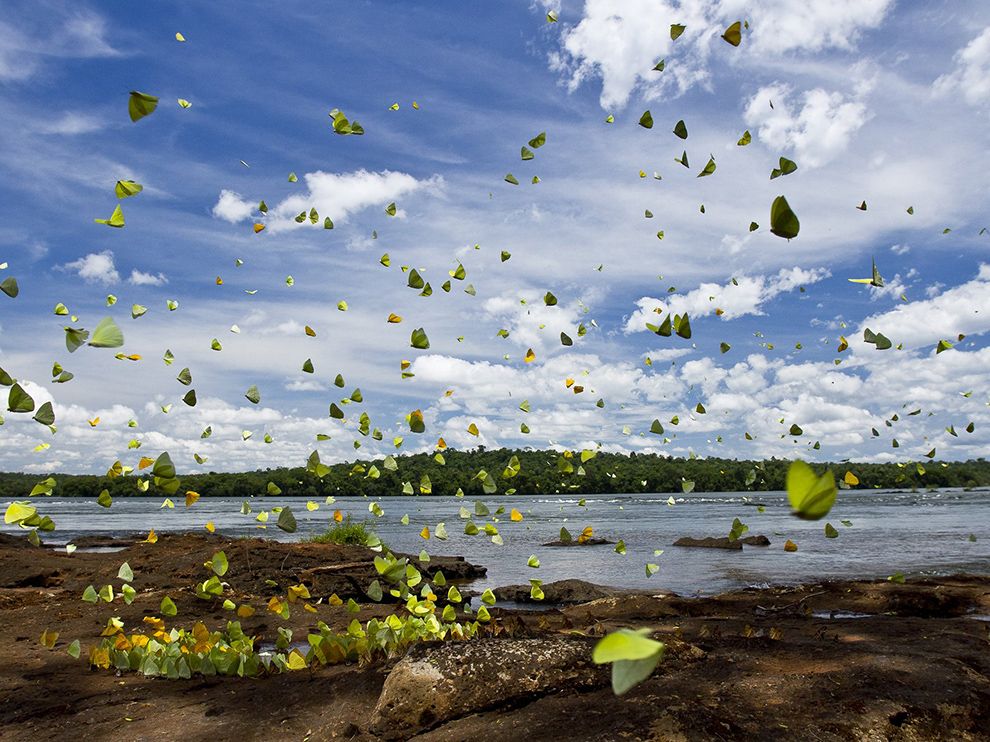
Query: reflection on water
x=909 y=532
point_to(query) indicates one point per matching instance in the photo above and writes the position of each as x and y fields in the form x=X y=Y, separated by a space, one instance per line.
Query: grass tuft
x=346 y=532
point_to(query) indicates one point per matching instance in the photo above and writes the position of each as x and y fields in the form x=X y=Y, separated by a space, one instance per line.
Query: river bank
x=831 y=660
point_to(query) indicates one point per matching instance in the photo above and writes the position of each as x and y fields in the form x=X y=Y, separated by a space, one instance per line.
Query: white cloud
x=140 y=278
x=817 y=131
x=337 y=195
x=780 y=26
x=80 y=447
x=95 y=268
x=892 y=288
x=837 y=406
x=619 y=41
x=667 y=354
x=305 y=385
x=72 y=123
x=80 y=35
x=492 y=392
x=232 y=208
x=964 y=309
x=971 y=76
x=746 y=296
x=534 y=324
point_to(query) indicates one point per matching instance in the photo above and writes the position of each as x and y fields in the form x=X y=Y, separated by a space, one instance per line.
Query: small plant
x=347 y=532
x=180 y=653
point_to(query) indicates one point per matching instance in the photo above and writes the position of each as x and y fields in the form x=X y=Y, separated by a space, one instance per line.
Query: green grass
x=345 y=532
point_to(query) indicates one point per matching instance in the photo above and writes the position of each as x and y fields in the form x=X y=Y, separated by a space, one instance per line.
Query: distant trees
x=539 y=472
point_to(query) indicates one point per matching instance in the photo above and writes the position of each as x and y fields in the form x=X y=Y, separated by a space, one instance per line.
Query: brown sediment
x=831 y=661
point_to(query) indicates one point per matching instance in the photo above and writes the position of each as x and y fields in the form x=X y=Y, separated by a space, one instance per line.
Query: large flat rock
x=438 y=682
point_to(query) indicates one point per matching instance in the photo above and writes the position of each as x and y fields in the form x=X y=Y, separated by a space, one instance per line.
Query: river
x=891 y=531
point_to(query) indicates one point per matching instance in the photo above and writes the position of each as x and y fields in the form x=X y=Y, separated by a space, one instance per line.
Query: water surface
x=891 y=531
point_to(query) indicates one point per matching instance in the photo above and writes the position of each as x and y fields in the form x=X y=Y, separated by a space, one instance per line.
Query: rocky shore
x=828 y=661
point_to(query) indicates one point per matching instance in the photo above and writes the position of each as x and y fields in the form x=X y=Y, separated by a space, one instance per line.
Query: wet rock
x=561 y=592
x=723 y=542
x=756 y=540
x=438 y=682
x=593 y=541
x=710 y=542
x=453 y=567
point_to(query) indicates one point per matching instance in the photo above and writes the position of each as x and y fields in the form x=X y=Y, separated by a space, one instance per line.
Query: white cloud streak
x=336 y=195
x=746 y=296
x=140 y=278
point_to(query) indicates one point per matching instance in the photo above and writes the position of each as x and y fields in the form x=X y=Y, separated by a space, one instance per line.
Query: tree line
x=539 y=472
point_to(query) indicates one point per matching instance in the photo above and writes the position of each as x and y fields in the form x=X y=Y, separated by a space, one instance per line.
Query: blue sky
x=875 y=100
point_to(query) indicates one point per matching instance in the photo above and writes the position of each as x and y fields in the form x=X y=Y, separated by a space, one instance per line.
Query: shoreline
x=153 y=495
x=827 y=660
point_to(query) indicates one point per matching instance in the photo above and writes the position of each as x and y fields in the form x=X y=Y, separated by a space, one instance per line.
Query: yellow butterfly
x=876 y=280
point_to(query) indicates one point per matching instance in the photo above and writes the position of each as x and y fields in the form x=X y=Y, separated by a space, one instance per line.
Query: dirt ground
x=831 y=661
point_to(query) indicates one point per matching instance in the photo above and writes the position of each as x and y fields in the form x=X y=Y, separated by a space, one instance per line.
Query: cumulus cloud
x=619 y=41
x=836 y=405
x=97 y=267
x=746 y=296
x=140 y=278
x=534 y=324
x=817 y=128
x=614 y=41
x=971 y=76
x=892 y=288
x=780 y=26
x=82 y=448
x=492 y=392
x=337 y=195
x=964 y=309
x=231 y=207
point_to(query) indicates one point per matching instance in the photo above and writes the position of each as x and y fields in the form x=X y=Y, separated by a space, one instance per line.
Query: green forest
x=514 y=471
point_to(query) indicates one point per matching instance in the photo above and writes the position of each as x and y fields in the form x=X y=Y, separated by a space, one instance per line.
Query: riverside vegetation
x=539 y=472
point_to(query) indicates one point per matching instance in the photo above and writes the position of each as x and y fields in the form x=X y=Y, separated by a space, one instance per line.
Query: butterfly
x=876 y=280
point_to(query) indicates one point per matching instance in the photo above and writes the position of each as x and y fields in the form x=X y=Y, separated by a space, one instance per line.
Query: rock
x=756 y=540
x=593 y=541
x=441 y=681
x=710 y=542
x=723 y=542
x=453 y=567
x=567 y=592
